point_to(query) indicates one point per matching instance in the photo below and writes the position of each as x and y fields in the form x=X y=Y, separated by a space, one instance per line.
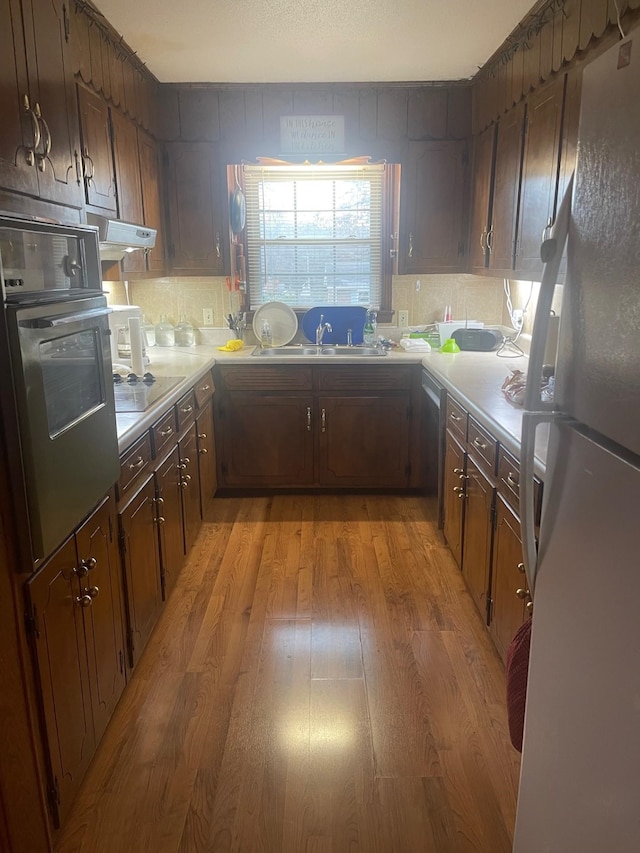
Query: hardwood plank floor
x=319 y=681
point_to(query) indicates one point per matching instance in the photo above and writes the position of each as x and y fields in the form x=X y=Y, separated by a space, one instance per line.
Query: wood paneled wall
x=104 y=62
x=525 y=62
x=379 y=120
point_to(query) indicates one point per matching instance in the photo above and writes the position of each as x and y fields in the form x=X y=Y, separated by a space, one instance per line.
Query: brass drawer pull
x=479 y=444
x=521 y=567
x=137 y=464
x=160 y=519
x=455 y=417
x=92 y=591
x=522 y=593
x=204 y=387
x=84 y=600
x=165 y=432
x=186 y=410
x=513 y=481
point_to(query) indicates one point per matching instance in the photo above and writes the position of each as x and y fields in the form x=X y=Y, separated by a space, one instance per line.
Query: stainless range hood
x=118 y=238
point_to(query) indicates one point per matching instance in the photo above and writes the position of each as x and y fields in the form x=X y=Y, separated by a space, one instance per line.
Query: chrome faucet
x=322 y=328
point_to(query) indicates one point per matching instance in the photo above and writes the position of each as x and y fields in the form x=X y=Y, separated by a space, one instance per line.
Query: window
x=314 y=234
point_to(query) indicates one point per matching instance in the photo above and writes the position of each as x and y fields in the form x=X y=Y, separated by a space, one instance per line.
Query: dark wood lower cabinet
x=267 y=440
x=75 y=610
x=508 y=606
x=169 y=520
x=206 y=455
x=141 y=559
x=478 y=530
x=454 y=474
x=190 y=487
x=364 y=441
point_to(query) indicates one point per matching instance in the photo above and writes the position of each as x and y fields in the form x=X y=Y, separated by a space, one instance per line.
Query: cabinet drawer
x=509 y=483
x=186 y=409
x=164 y=431
x=204 y=390
x=456 y=418
x=267 y=378
x=482 y=444
x=133 y=463
x=363 y=378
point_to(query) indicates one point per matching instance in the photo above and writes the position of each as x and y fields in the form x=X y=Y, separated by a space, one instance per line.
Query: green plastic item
x=450 y=346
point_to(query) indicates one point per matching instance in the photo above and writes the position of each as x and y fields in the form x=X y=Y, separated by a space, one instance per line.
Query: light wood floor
x=319 y=681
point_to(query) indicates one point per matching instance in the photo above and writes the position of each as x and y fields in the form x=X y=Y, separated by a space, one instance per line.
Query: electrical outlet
x=403 y=319
x=207 y=316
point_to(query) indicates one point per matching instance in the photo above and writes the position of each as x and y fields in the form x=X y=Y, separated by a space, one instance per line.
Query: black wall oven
x=57 y=327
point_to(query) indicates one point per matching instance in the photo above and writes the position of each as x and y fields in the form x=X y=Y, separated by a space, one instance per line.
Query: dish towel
x=517 y=671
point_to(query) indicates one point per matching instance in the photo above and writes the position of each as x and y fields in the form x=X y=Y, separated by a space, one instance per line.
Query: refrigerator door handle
x=551 y=253
x=530 y=422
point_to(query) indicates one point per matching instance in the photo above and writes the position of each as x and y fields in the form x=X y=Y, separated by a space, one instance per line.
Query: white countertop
x=475 y=380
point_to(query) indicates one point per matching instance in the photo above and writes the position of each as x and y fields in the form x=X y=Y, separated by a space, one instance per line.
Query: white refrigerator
x=580 y=778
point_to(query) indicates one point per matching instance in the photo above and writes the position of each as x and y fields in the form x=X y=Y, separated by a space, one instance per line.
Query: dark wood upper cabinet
x=39 y=150
x=506 y=185
x=97 y=152
x=197 y=207
x=432 y=238
x=483 y=160
x=540 y=166
x=128 y=183
x=20 y=129
x=150 y=177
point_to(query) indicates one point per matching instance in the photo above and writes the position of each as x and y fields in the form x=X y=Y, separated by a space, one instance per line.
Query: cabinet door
x=190 y=487
x=206 y=455
x=267 y=441
x=454 y=490
x=431 y=226
x=52 y=88
x=541 y=160
x=364 y=441
x=151 y=198
x=97 y=152
x=98 y=557
x=481 y=207
x=171 y=532
x=141 y=558
x=508 y=606
x=196 y=209
x=19 y=126
x=506 y=184
x=478 y=529
x=56 y=604
x=129 y=188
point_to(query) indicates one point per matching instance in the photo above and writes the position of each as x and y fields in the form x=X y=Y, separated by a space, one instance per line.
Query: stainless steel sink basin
x=335 y=351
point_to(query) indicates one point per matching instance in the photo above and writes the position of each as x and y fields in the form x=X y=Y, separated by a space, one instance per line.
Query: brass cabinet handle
x=521 y=568
x=463 y=476
x=479 y=444
x=92 y=591
x=513 y=481
x=410 y=252
x=85 y=567
x=522 y=593
x=529 y=606
x=546 y=228
x=455 y=417
x=137 y=464
x=159 y=500
x=204 y=387
x=462 y=495
x=458 y=470
x=183 y=484
x=203 y=450
x=483 y=240
x=323 y=420
x=36 y=131
x=218 y=247
x=160 y=519
x=187 y=410
x=490 y=240
x=458 y=488
x=309 y=418
x=186 y=478
x=165 y=432
x=202 y=436
x=84 y=600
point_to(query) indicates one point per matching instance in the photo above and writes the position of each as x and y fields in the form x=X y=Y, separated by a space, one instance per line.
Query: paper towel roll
x=135 y=336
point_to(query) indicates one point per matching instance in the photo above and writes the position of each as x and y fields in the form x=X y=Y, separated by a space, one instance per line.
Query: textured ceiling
x=271 y=41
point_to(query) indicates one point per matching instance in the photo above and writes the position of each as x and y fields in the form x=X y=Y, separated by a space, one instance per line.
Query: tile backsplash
x=471 y=296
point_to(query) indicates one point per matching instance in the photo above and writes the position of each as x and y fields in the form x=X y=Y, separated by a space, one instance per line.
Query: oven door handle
x=65 y=319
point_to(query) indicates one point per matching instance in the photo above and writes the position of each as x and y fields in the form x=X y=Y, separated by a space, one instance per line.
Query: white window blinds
x=314 y=234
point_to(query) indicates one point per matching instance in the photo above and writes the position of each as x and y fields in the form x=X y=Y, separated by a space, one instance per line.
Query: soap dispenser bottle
x=369 y=333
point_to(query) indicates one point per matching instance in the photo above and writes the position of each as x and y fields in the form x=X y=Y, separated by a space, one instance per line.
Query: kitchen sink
x=321 y=351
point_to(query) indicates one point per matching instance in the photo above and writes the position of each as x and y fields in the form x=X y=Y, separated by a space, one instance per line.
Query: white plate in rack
x=282 y=322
